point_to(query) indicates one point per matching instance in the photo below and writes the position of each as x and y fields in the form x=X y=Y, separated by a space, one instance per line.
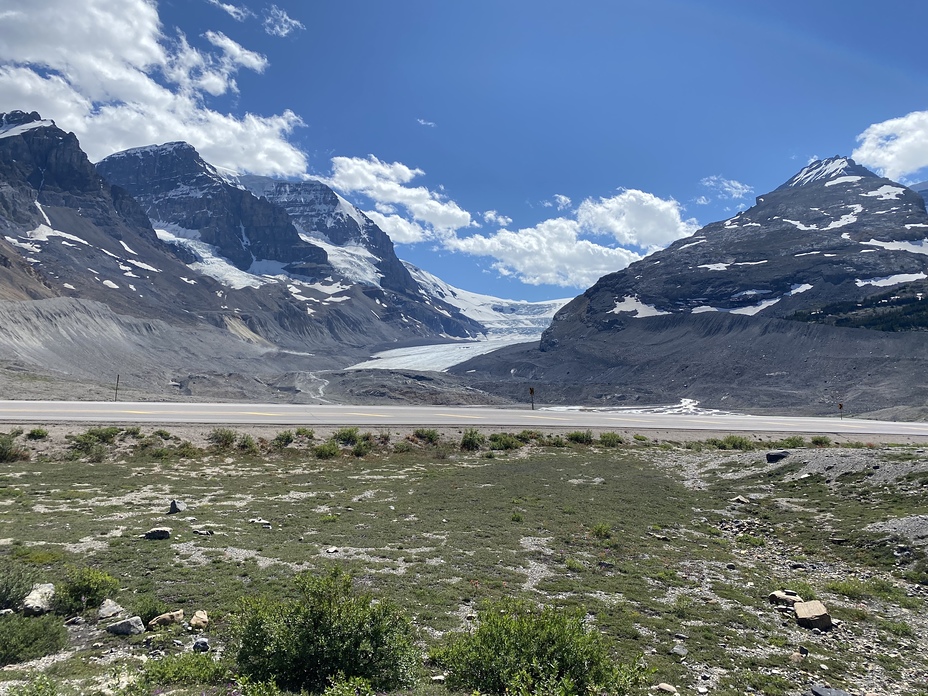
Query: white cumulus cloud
x=387 y=184
x=636 y=218
x=896 y=147
x=278 y=23
x=491 y=217
x=110 y=73
x=550 y=253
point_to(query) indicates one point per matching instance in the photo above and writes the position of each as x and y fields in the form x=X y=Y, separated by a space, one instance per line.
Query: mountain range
x=194 y=282
x=813 y=297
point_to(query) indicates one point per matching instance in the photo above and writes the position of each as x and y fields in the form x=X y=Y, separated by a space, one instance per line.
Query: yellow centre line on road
x=458 y=415
x=249 y=413
x=369 y=415
x=549 y=418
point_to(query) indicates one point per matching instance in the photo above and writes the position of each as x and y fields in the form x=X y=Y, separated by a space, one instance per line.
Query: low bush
x=327 y=450
x=821 y=441
x=472 y=440
x=732 y=442
x=83 y=588
x=16 y=580
x=611 y=439
x=429 y=435
x=38 y=685
x=307 y=433
x=147 y=607
x=37 y=434
x=187 y=450
x=247 y=445
x=601 y=530
x=26 y=638
x=346 y=436
x=793 y=441
x=330 y=630
x=10 y=451
x=283 y=439
x=581 y=437
x=519 y=649
x=362 y=448
x=529 y=435
x=504 y=441
x=222 y=438
x=187 y=669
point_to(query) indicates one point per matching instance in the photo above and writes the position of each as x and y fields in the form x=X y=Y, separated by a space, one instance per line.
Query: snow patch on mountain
x=891 y=280
x=353 y=261
x=916 y=247
x=638 y=309
x=822 y=169
x=885 y=193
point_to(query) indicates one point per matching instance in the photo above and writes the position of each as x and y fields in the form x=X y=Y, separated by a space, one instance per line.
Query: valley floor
x=672 y=547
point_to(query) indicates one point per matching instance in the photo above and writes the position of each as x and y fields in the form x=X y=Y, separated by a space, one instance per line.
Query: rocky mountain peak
x=13 y=119
x=828 y=170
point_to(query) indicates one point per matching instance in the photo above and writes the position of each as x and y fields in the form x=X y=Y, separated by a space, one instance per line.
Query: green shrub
x=504 y=441
x=283 y=439
x=147 y=607
x=529 y=435
x=189 y=669
x=574 y=565
x=639 y=438
x=402 y=447
x=327 y=450
x=354 y=686
x=601 y=530
x=37 y=434
x=222 y=438
x=330 y=630
x=362 y=448
x=517 y=517
x=732 y=442
x=581 y=437
x=793 y=441
x=429 y=435
x=472 y=440
x=346 y=436
x=821 y=441
x=132 y=431
x=84 y=588
x=10 y=451
x=163 y=434
x=26 y=638
x=16 y=581
x=308 y=433
x=187 y=450
x=247 y=444
x=610 y=439
x=38 y=685
x=519 y=649
x=554 y=441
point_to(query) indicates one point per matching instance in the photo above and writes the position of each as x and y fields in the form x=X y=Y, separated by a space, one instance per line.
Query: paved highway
x=40 y=412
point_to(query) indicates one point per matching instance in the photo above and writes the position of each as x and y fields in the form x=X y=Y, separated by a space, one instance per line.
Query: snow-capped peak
x=16 y=122
x=828 y=169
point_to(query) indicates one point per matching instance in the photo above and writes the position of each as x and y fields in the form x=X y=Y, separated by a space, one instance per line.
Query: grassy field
x=650 y=539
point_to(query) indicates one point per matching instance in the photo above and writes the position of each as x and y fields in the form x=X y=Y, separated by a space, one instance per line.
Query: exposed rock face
x=127 y=627
x=321 y=214
x=175 y=185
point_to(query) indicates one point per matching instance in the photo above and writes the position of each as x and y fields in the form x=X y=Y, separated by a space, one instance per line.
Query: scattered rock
x=201 y=645
x=109 y=609
x=786 y=598
x=158 y=533
x=438 y=679
x=200 y=620
x=39 y=600
x=777 y=456
x=204 y=532
x=796 y=658
x=812 y=615
x=170 y=617
x=127 y=627
x=666 y=688
x=822 y=690
x=679 y=650
x=75 y=621
x=739 y=499
x=6 y=612
x=332 y=549
x=177 y=506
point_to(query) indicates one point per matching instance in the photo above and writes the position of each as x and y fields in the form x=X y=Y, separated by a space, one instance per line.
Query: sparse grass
x=37 y=434
x=611 y=439
x=327 y=450
x=347 y=436
x=611 y=529
x=428 y=435
x=10 y=451
x=821 y=441
x=282 y=440
x=220 y=438
x=504 y=441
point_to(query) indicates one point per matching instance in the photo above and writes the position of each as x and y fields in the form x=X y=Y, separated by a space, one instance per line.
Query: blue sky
x=520 y=148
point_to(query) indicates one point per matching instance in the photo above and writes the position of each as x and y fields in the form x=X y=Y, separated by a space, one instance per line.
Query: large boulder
x=812 y=615
x=166 y=619
x=127 y=627
x=39 y=600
